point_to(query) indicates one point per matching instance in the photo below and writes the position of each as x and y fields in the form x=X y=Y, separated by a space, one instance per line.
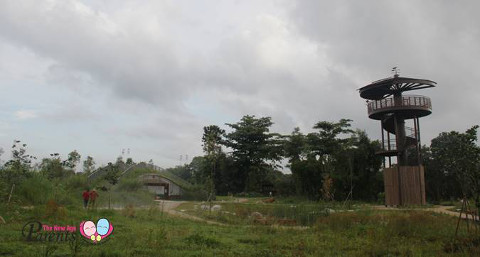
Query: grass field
x=149 y=232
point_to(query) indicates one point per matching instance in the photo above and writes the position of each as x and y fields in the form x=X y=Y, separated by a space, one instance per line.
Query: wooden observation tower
x=404 y=181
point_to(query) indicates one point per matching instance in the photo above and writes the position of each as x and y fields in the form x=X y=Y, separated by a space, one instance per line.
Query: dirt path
x=169 y=207
x=436 y=209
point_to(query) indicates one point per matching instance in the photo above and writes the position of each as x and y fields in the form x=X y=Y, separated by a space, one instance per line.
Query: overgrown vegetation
x=309 y=216
x=146 y=232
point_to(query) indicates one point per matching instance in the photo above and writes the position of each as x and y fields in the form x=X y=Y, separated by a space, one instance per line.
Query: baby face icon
x=103 y=226
x=89 y=228
x=95 y=233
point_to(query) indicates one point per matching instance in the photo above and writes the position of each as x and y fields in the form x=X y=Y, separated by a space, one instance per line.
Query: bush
x=3 y=190
x=129 y=211
x=202 y=240
x=35 y=190
x=381 y=198
x=129 y=185
x=197 y=193
x=78 y=181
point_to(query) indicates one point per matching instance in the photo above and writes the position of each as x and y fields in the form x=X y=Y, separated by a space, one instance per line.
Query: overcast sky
x=100 y=76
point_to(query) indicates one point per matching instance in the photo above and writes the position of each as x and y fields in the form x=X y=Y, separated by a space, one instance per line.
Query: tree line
x=334 y=162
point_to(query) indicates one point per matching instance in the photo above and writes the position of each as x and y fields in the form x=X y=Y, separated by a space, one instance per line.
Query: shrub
x=78 y=181
x=129 y=211
x=129 y=185
x=202 y=240
x=197 y=193
x=35 y=190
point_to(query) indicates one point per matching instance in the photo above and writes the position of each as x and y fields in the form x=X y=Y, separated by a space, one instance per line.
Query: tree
x=72 y=160
x=198 y=168
x=308 y=176
x=129 y=161
x=119 y=161
x=320 y=155
x=18 y=167
x=211 y=139
x=183 y=172
x=112 y=174
x=306 y=170
x=254 y=150
x=88 y=165
x=363 y=167
x=53 y=167
x=456 y=155
x=326 y=142
x=294 y=147
x=224 y=179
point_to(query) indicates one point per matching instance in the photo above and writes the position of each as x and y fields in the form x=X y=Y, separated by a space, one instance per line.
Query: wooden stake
x=460 y=216
x=11 y=192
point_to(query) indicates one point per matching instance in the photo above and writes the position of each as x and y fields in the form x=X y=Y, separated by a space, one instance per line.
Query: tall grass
x=148 y=233
x=240 y=213
x=35 y=190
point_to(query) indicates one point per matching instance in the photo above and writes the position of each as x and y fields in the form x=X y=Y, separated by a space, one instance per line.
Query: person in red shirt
x=86 y=196
x=93 y=197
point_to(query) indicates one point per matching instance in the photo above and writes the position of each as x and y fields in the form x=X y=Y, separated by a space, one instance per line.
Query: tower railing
x=408 y=101
x=391 y=144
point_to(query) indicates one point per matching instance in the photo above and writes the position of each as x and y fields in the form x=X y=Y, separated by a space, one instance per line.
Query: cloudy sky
x=100 y=76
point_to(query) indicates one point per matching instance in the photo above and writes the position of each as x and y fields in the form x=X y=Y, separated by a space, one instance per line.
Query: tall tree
x=254 y=150
x=19 y=166
x=72 y=160
x=199 y=170
x=324 y=157
x=211 y=139
x=295 y=146
x=361 y=167
x=326 y=142
x=112 y=174
x=458 y=155
x=88 y=165
x=53 y=167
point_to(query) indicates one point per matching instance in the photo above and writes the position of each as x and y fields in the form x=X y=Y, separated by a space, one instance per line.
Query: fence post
x=11 y=192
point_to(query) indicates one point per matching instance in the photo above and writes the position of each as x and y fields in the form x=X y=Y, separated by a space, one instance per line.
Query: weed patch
x=201 y=240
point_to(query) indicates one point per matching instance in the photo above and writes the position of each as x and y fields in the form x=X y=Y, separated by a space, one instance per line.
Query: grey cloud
x=129 y=61
x=141 y=71
x=437 y=40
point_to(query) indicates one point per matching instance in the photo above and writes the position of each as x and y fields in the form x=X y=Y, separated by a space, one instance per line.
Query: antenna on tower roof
x=395 y=71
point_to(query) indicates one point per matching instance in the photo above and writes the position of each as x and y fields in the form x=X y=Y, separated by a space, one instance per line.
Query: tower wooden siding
x=412 y=182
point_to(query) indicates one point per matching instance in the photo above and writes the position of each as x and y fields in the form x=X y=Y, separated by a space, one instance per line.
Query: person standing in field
x=86 y=196
x=93 y=197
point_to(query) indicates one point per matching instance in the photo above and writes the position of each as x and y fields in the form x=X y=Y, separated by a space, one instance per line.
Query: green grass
x=305 y=213
x=147 y=232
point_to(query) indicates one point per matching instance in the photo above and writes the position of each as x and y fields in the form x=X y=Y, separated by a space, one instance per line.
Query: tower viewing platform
x=404 y=182
x=409 y=107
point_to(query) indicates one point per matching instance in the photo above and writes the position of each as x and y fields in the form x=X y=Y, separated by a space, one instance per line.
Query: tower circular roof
x=385 y=87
